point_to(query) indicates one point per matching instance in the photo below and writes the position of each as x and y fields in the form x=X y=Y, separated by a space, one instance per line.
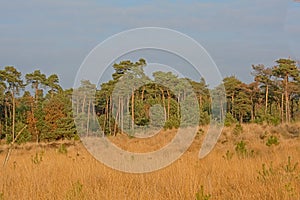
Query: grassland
x=65 y=170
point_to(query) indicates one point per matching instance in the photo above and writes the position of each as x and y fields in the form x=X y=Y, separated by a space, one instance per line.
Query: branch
x=11 y=145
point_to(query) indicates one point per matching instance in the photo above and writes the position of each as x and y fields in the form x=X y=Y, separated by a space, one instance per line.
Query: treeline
x=131 y=101
x=42 y=114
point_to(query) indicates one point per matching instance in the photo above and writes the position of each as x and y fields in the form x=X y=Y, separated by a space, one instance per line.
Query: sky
x=55 y=36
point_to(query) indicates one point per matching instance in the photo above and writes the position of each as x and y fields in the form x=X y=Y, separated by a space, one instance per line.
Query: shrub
x=172 y=123
x=272 y=140
x=204 y=118
x=200 y=195
x=38 y=158
x=62 y=149
x=266 y=172
x=229 y=120
x=242 y=150
x=228 y=155
x=76 y=191
x=289 y=167
x=272 y=120
x=238 y=129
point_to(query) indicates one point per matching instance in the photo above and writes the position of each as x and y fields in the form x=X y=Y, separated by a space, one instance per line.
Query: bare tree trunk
x=88 y=118
x=281 y=112
x=111 y=113
x=116 y=124
x=267 y=96
x=169 y=97
x=6 y=116
x=83 y=104
x=77 y=106
x=287 y=112
x=13 y=115
x=122 y=114
x=132 y=110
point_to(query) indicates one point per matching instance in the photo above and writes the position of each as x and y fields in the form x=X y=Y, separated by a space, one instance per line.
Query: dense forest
x=34 y=107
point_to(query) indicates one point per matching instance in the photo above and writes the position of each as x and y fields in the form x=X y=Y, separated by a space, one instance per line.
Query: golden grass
x=41 y=172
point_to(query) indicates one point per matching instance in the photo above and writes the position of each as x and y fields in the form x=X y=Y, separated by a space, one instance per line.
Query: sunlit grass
x=42 y=172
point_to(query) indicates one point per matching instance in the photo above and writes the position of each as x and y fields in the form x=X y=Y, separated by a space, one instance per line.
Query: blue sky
x=56 y=35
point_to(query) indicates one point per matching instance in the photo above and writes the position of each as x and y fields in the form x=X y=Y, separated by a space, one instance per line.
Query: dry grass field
x=68 y=171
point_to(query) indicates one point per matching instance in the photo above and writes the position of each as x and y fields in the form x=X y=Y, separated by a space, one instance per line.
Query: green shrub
x=238 y=129
x=242 y=151
x=289 y=167
x=240 y=148
x=272 y=120
x=204 y=118
x=266 y=172
x=272 y=140
x=172 y=123
x=62 y=149
x=38 y=158
x=229 y=120
x=75 y=192
x=228 y=155
x=200 y=195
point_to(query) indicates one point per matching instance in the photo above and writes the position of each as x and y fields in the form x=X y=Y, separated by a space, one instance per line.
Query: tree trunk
x=83 y=104
x=169 y=97
x=115 y=125
x=105 y=116
x=88 y=118
x=287 y=112
x=6 y=116
x=110 y=113
x=178 y=106
x=143 y=92
x=281 y=110
x=267 y=96
x=122 y=115
x=164 y=104
x=132 y=110
x=13 y=115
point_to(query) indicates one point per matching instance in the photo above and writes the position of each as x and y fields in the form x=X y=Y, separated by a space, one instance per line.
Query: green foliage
x=242 y=151
x=50 y=117
x=62 y=149
x=25 y=136
x=290 y=167
x=272 y=140
x=37 y=158
x=201 y=195
x=172 y=123
x=272 y=120
x=238 y=129
x=228 y=155
x=204 y=118
x=290 y=189
x=66 y=128
x=157 y=116
x=76 y=192
x=229 y=120
x=266 y=172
